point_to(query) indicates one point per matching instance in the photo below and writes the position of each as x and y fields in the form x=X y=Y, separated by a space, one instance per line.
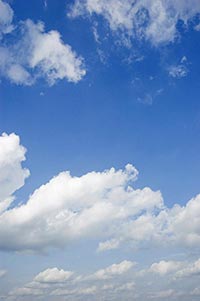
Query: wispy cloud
x=150 y=20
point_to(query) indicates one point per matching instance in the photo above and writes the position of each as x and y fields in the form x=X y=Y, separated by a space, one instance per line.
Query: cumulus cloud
x=12 y=174
x=6 y=17
x=11 y=69
x=36 y=54
x=58 y=283
x=184 y=223
x=98 y=205
x=67 y=208
x=53 y=275
x=46 y=53
x=115 y=281
x=113 y=270
x=155 y=21
x=179 y=269
x=44 y=283
x=192 y=269
x=40 y=54
x=165 y=267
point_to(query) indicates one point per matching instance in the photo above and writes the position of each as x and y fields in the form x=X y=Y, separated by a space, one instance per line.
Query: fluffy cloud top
x=53 y=275
x=165 y=267
x=154 y=20
x=98 y=205
x=67 y=208
x=47 y=53
x=12 y=174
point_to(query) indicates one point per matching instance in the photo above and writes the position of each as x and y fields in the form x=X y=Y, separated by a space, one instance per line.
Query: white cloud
x=2 y=273
x=154 y=20
x=53 y=275
x=183 y=223
x=99 y=205
x=126 y=287
x=6 y=17
x=197 y=27
x=12 y=174
x=39 y=54
x=87 y=291
x=178 y=71
x=47 y=53
x=59 y=283
x=26 y=291
x=18 y=74
x=42 y=284
x=12 y=69
x=108 y=245
x=112 y=282
x=165 y=267
x=191 y=269
x=113 y=270
x=67 y=208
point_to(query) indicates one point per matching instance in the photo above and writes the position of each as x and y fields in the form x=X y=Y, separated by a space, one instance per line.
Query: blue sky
x=87 y=86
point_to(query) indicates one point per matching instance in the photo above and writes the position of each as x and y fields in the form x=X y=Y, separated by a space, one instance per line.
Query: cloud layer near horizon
x=119 y=279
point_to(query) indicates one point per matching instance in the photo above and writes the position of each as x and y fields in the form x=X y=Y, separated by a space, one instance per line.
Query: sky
x=99 y=150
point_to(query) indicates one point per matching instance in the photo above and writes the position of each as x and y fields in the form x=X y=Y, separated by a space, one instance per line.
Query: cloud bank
x=123 y=279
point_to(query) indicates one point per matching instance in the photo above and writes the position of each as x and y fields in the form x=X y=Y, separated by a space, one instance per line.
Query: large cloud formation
x=36 y=54
x=101 y=205
x=153 y=20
